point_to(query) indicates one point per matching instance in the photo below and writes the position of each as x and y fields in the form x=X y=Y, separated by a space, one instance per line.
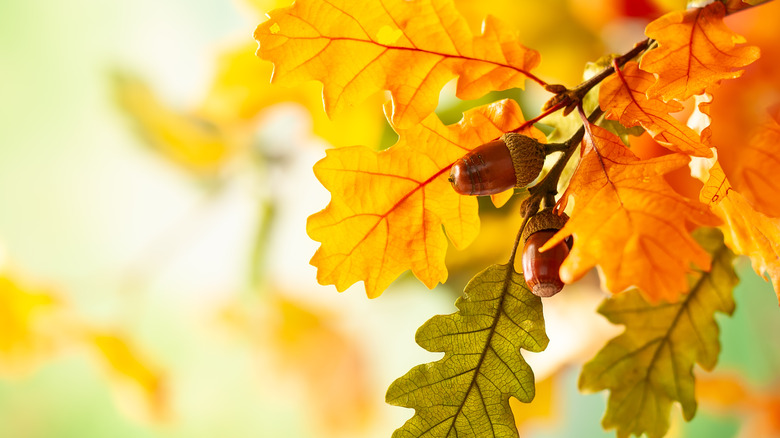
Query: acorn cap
x=545 y=219
x=527 y=157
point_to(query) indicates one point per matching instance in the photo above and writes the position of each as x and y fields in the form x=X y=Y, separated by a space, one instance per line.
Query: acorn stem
x=548 y=201
x=547 y=188
x=549 y=184
x=555 y=147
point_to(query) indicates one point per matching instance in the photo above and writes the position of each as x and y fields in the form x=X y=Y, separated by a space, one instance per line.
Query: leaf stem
x=569 y=99
x=516 y=245
x=536 y=119
x=547 y=188
x=535 y=78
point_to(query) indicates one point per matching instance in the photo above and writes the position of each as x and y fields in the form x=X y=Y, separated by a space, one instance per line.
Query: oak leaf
x=747 y=231
x=622 y=96
x=236 y=98
x=696 y=50
x=650 y=365
x=738 y=107
x=757 y=166
x=738 y=5
x=387 y=208
x=629 y=221
x=466 y=393
x=411 y=48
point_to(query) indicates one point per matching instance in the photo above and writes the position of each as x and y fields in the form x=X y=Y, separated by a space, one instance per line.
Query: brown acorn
x=514 y=160
x=540 y=269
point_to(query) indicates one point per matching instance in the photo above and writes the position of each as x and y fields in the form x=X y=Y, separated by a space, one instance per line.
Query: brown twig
x=569 y=99
x=548 y=186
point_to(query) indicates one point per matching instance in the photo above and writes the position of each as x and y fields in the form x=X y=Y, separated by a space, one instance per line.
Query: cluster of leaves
x=390 y=210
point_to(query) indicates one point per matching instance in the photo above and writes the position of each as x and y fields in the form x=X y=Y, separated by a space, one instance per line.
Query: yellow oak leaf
x=696 y=50
x=142 y=385
x=411 y=48
x=387 y=208
x=629 y=221
x=260 y=7
x=748 y=232
x=622 y=96
x=757 y=166
x=236 y=97
x=500 y=199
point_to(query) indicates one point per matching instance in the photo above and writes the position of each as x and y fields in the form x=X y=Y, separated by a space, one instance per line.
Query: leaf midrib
x=667 y=336
x=493 y=326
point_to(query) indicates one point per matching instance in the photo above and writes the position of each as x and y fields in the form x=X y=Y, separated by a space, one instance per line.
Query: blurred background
x=154 y=276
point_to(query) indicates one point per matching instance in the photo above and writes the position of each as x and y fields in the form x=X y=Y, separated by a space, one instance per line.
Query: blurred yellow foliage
x=35 y=325
x=542 y=410
x=242 y=89
x=198 y=144
x=26 y=332
x=141 y=385
x=303 y=343
x=203 y=139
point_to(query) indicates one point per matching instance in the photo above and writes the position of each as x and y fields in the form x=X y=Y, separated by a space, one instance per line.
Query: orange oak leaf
x=738 y=5
x=757 y=166
x=622 y=96
x=387 y=208
x=628 y=220
x=411 y=48
x=696 y=50
x=747 y=231
x=739 y=106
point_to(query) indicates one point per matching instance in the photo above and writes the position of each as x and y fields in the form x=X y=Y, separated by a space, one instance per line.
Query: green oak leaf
x=650 y=365
x=466 y=393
